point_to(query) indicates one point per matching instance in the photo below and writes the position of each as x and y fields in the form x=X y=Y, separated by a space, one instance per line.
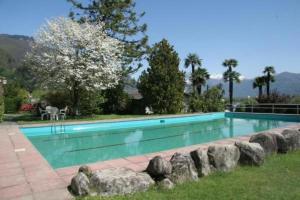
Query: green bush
x=210 y=101
x=116 y=101
x=12 y=104
x=90 y=103
x=14 y=96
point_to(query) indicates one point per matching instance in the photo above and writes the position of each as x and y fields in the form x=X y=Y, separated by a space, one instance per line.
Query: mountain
x=14 y=47
x=285 y=82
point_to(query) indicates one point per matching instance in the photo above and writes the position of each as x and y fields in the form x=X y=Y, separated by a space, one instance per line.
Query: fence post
x=272 y=108
x=298 y=109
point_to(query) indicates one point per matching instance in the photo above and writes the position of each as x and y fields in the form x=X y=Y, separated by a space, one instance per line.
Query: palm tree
x=192 y=60
x=259 y=82
x=200 y=77
x=269 y=72
x=231 y=76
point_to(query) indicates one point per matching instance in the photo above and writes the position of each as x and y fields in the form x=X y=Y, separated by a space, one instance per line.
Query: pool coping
x=115 y=120
x=25 y=173
x=141 y=119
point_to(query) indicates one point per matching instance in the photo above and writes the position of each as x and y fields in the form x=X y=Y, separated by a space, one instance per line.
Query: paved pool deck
x=26 y=175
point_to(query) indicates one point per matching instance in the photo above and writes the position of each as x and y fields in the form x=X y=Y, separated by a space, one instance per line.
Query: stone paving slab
x=26 y=175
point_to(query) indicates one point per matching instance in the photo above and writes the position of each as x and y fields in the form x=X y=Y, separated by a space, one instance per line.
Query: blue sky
x=256 y=33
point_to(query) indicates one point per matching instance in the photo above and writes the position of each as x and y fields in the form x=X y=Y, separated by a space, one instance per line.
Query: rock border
x=185 y=167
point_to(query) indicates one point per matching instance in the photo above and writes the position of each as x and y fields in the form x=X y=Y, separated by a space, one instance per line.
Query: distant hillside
x=15 y=46
x=286 y=82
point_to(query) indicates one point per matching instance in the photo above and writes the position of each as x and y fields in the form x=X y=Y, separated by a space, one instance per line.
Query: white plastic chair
x=43 y=113
x=53 y=112
x=63 y=113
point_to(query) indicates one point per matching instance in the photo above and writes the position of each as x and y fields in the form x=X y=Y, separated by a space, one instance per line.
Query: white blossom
x=69 y=52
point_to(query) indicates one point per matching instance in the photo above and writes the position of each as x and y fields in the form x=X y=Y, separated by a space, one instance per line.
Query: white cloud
x=220 y=76
x=216 y=76
x=242 y=77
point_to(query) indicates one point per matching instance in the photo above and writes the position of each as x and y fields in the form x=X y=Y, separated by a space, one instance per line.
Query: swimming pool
x=87 y=143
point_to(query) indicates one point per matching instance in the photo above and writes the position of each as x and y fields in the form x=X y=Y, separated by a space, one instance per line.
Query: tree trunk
x=231 y=93
x=268 y=85
x=193 y=81
x=76 y=98
x=199 y=89
x=230 y=90
x=259 y=92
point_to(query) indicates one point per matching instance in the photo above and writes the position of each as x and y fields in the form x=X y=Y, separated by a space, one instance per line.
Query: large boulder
x=183 y=168
x=80 y=185
x=266 y=141
x=166 y=184
x=201 y=162
x=251 y=153
x=281 y=143
x=271 y=142
x=223 y=158
x=292 y=138
x=159 y=168
x=86 y=170
x=120 y=181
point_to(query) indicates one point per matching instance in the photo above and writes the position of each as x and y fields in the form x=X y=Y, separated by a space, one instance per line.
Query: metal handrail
x=272 y=107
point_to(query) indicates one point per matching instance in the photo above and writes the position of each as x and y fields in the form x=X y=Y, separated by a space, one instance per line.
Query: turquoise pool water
x=87 y=143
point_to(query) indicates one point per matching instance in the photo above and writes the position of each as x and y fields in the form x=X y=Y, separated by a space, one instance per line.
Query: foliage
x=14 y=96
x=27 y=77
x=295 y=100
x=76 y=56
x=91 y=103
x=117 y=101
x=231 y=76
x=211 y=101
x=26 y=107
x=194 y=61
x=269 y=77
x=57 y=98
x=259 y=82
x=274 y=97
x=6 y=63
x=121 y=22
x=162 y=85
x=199 y=77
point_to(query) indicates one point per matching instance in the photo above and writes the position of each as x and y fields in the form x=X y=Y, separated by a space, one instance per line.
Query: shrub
x=211 y=101
x=14 y=96
x=162 y=84
x=90 y=102
x=275 y=97
x=26 y=107
x=116 y=100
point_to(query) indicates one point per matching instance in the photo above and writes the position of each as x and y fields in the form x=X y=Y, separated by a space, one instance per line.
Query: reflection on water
x=72 y=149
x=132 y=141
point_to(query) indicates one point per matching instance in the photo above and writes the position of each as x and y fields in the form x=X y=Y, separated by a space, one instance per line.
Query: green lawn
x=278 y=178
x=27 y=118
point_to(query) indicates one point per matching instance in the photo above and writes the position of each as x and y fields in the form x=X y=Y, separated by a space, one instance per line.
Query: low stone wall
x=184 y=167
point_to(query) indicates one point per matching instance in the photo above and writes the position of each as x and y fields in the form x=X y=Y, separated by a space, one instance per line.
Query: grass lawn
x=27 y=118
x=278 y=178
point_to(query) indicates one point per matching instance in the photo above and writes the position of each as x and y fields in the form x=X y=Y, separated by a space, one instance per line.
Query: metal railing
x=266 y=108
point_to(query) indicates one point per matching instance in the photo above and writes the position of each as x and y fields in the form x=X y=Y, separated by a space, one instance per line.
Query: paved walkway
x=26 y=175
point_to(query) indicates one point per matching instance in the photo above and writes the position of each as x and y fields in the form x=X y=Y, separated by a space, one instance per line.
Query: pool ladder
x=54 y=125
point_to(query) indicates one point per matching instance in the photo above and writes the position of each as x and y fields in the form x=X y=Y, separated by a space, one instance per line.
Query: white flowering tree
x=77 y=56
